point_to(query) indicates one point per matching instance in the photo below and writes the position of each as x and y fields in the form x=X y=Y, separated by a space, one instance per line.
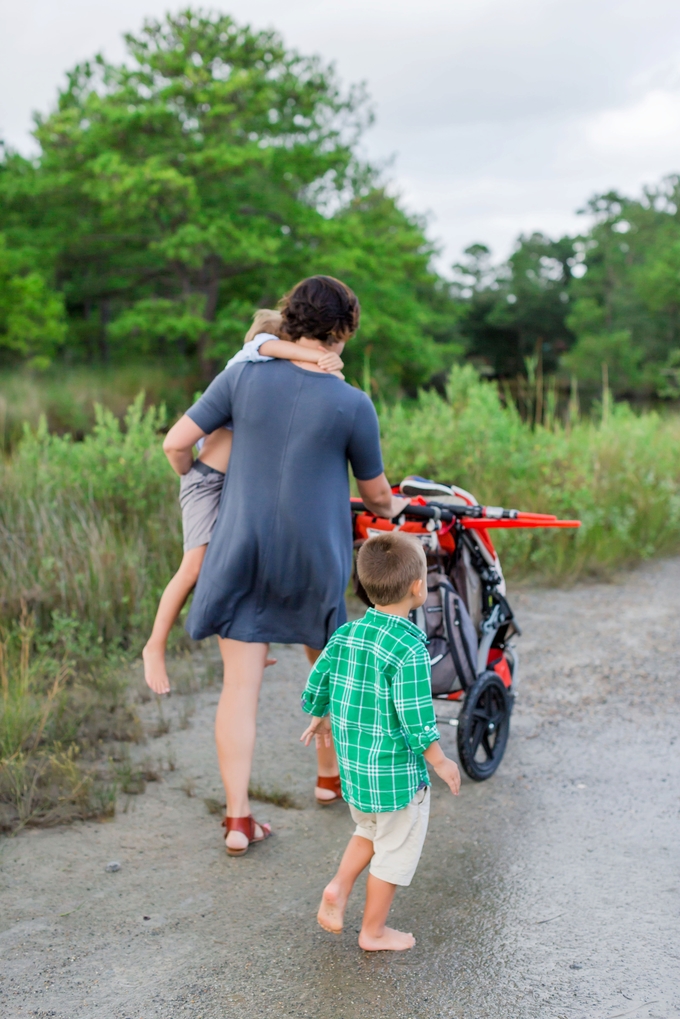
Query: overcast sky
x=502 y=116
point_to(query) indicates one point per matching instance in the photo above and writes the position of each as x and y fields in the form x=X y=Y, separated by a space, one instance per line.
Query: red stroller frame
x=454 y=530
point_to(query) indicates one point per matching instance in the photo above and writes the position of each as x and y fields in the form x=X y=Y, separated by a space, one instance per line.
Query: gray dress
x=280 y=556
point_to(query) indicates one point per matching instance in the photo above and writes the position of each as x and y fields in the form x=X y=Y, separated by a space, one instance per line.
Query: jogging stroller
x=467 y=618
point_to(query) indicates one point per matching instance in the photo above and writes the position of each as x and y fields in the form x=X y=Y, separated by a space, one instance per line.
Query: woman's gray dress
x=280 y=556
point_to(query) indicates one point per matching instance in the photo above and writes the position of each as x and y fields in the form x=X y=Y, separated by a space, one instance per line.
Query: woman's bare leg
x=327 y=761
x=235 y=725
x=169 y=608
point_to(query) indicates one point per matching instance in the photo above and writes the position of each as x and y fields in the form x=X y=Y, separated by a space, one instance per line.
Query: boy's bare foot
x=389 y=941
x=332 y=908
x=154 y=670
x=270 y=661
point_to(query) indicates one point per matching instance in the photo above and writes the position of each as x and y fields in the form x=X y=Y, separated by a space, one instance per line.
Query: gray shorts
x=397 y=837
x=200 y=490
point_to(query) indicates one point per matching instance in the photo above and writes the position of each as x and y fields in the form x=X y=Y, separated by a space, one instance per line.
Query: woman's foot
x=332 y=909
x=154 y=669
x=327 y=789
x=241 y=832
x=389 y=941
x=237 y=840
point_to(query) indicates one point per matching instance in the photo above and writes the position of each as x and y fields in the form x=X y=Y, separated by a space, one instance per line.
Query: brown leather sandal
x=331 y=782
x=246 y=825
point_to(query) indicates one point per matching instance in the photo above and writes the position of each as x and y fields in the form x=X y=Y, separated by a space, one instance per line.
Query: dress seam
x=262 y=573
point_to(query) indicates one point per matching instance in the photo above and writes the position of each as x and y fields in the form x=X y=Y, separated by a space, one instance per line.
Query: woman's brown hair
x=321 y=308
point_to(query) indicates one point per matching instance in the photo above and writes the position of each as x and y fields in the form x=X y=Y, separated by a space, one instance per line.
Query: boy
x=201 y=489
x=374 y=678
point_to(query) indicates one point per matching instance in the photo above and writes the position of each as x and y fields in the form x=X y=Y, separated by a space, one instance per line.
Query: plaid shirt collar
x=388 y=619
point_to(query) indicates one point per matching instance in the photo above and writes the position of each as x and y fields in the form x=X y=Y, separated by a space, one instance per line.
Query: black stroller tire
x=484 y=726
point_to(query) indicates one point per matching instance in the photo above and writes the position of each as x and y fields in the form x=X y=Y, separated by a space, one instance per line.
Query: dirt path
x=551 y=890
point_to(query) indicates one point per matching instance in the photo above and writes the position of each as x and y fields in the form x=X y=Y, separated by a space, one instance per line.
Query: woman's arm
x=179 y=443
x=377 y=497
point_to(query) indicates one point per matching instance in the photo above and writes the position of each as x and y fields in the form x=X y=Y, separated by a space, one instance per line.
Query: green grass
x=620 y=476
x=90 y=533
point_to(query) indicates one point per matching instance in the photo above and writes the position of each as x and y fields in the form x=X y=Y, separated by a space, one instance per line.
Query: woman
x=279 y=559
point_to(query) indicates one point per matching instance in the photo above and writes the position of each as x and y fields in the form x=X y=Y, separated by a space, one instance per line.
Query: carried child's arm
x=289 y=351
x=444 y=766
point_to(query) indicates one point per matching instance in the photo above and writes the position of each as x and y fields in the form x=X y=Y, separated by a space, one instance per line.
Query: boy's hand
x=320 y=729
x=445 y=768
x=449 y=773
x=330 y=362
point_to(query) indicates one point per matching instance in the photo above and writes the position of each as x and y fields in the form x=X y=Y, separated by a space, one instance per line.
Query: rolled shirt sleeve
x=251 y=351
x=315 y=697
x=412 y=694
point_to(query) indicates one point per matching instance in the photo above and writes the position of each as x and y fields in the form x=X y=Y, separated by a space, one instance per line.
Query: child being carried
x=201 y=488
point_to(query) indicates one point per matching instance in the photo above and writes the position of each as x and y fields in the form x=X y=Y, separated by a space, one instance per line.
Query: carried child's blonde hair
x=265 y=321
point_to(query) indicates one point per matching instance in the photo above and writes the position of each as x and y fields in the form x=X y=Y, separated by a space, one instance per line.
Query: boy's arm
x=412 y=695
x=315 y=701
x=289 y=351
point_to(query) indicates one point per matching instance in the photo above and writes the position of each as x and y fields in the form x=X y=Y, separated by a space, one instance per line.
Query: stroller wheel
x=484 y=726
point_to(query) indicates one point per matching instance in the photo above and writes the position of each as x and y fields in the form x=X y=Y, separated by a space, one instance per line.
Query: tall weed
x=619 y=475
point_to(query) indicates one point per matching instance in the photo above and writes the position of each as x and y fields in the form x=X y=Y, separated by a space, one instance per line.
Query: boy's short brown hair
x=388 y=564
x=264 y=321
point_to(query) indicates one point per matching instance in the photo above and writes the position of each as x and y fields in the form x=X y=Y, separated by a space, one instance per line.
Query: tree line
x=179 y=190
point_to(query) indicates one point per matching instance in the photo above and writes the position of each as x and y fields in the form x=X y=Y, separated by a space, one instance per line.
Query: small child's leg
x=374 y=935
x=169 y=608
x=356 y=857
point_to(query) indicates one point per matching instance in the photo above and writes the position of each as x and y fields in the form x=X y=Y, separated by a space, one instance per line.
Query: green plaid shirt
x=374 y=677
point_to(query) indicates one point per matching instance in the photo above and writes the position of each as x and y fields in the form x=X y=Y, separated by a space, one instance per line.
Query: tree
x=179 y=191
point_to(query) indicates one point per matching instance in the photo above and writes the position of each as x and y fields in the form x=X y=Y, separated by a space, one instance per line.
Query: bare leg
x=235 y=725
x=327 y=761
x=356 y=857
x=374 y=935
x=169 y=607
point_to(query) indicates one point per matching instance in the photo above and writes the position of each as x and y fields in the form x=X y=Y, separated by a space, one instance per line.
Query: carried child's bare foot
x=389 y=941
x=270 y=661
x=332 y=908
x=154 y=670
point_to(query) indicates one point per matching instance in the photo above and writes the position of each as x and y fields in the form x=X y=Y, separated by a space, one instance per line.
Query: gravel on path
x=551 y=890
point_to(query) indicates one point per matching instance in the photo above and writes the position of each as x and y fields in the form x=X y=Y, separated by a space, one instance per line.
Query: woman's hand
x=320 y=729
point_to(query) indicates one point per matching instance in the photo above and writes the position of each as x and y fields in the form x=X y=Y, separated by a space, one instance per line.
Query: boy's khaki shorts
x=397 y=837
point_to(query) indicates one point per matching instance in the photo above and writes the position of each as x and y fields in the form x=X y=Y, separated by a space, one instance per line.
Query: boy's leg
x=375 y=936
x=327 y=761
x=169 y=608
x=398 y=843
x=356 y=858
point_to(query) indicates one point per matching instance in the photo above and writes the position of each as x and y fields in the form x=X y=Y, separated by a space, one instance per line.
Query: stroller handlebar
x=473 y=516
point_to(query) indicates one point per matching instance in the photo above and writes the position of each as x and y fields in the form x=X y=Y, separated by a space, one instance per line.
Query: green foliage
x=90 y=528
x=32 y=320
x=177 y=192
x=620 y=477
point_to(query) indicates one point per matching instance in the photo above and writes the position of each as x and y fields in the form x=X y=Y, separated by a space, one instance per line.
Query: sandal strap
x=330 y=782
x=246 y=825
